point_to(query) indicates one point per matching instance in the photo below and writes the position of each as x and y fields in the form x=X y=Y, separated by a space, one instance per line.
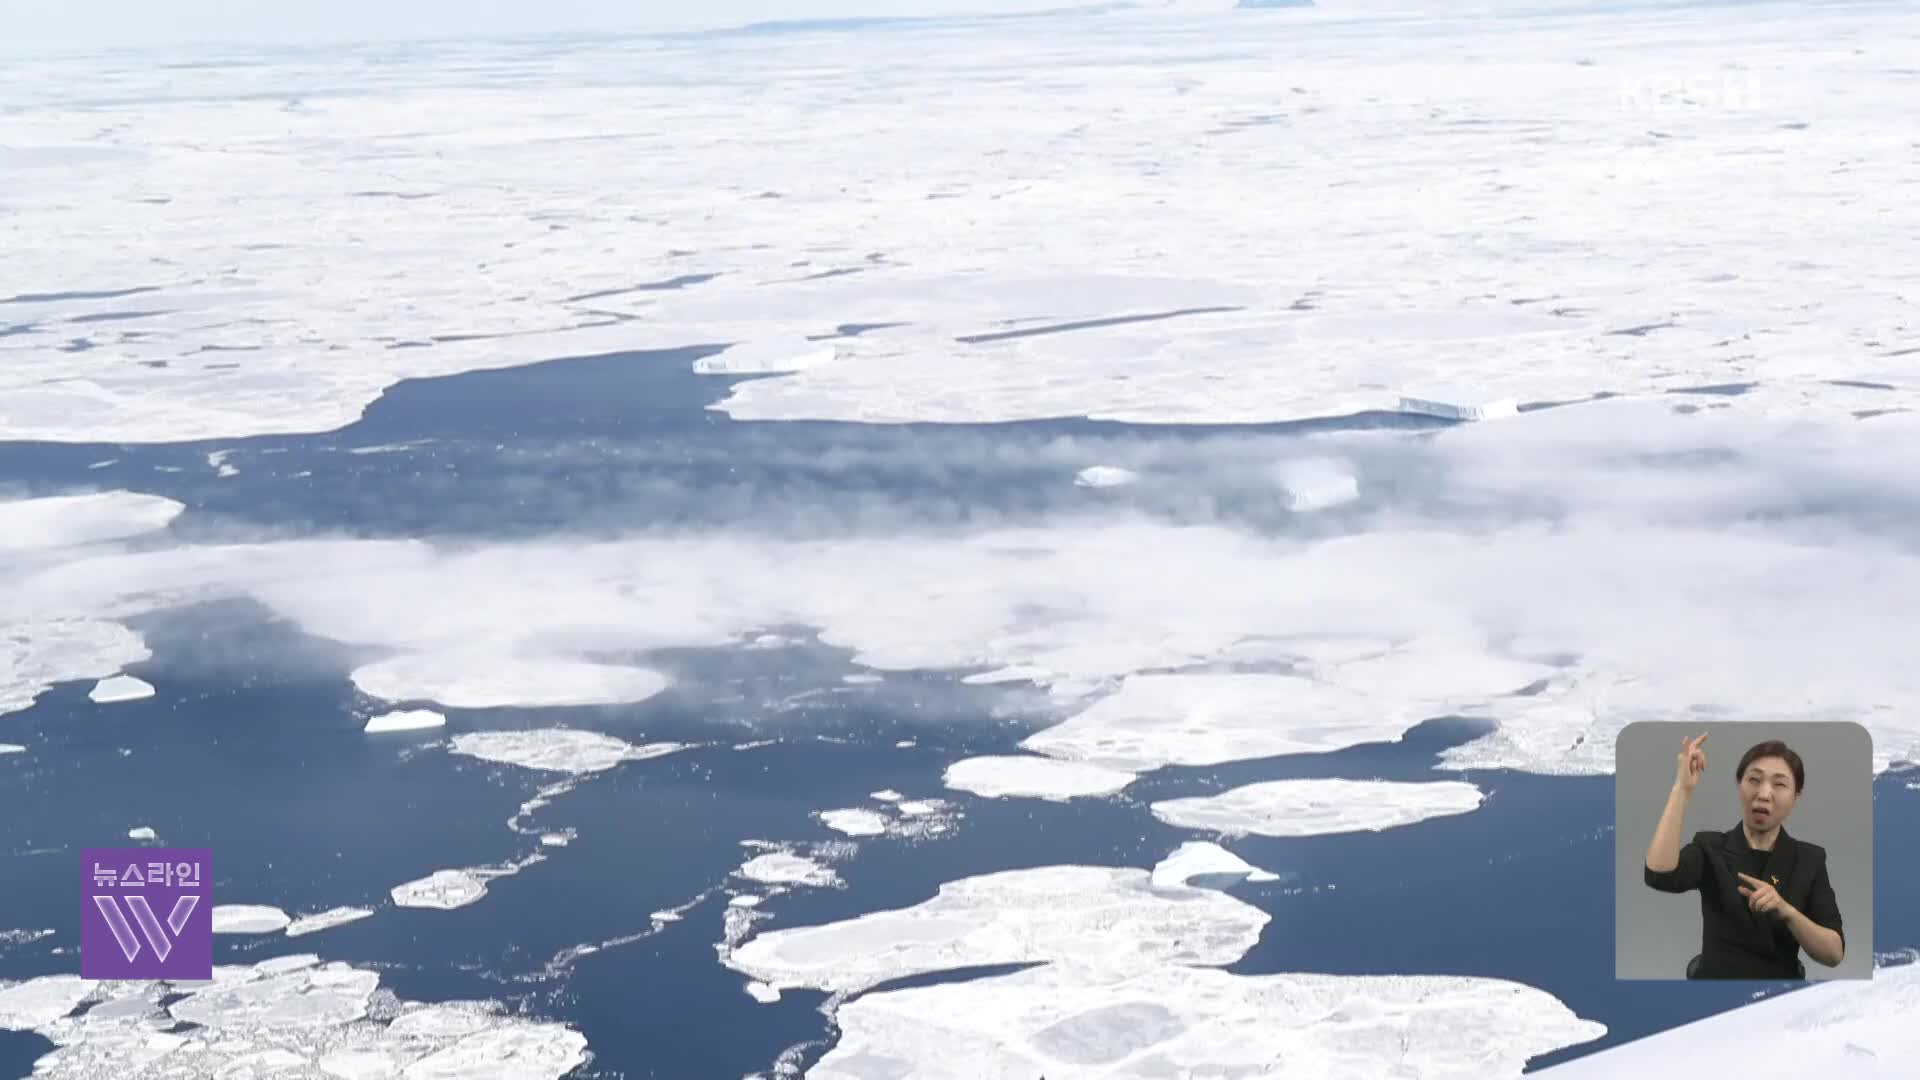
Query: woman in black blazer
x=1764 y=895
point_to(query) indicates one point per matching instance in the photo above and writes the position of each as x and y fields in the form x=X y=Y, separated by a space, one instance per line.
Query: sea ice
x=1200 y=863
x=762 y=993
x=785 y=868
x=767 y=357
x=120 y=688
x=326 y=920
x=1016 y=916
x=1035 y=777
x=39 y=652
x=1853 y=1028
x=11 y=748
x=565 y=750
x=1074 y=1020
x=468 y=681
x=443 y=889
x=1206 y=719
x=290 y=1016
x=886 y=795
x=854 y=822
x=142 y=832
x=405 y=720
x=60 y=521
x=1105 y=476
x=248 y=919
x=1319 y=807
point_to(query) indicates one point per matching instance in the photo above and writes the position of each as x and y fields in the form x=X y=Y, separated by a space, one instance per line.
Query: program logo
x=146 y=913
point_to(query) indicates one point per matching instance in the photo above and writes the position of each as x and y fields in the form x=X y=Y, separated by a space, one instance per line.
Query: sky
x=28 y=26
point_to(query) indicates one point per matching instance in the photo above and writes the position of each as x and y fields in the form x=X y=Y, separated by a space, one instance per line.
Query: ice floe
x=1203 y=864
x=142 y=832
x=1016 y=916
x=1075 y=1019
x=1319 y=807
x=405 y=720
x=1105 y=476
x=468 y=681
x=565 y=750
x=326 y=920
x=762 y=993
x=290 y=1016
x=787 y=868
x=1458 y=403
x=59 y=521
x=12 y=748
x=1843 y=1027
x=1035 y=777
x=120 y=688
x=442 y=889
x=854 y=821
x=248 y=919
x=1206 y=719
x=38 y=653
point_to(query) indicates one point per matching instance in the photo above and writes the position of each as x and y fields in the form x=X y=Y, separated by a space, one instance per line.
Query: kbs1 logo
x=146 y=913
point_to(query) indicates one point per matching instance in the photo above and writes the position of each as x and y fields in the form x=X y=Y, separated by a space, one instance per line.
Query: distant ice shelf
x=1457 y=404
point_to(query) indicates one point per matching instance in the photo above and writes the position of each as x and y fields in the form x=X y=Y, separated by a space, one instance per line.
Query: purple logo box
x=146 y=913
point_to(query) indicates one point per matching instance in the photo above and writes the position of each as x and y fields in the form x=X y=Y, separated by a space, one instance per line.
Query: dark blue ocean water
x=252 y=745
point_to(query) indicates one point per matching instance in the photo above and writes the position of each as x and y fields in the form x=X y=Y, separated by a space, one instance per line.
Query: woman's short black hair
x=1776 y=748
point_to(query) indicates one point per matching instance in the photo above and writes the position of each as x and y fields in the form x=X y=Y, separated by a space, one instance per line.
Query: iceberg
x=1203 y=864
x=120 y=688
x=1104 y=476
x=1317 y=484
x=405 y=720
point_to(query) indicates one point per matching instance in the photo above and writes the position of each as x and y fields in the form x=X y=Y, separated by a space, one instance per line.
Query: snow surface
x=405 y=720
x=1079 y=1021
x=786 y=868
x=1105 y=476
x=1854 y=1028
x=470 y=681
x=1016 y=916
x=290 y=1016
x=556 y=749
x=326 y=920
x=248 y=919
x=58 y=521
x=1310 y=307
x=1035 y=777
x=1201 y=863
x=120 y=688
x=1319 y=807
